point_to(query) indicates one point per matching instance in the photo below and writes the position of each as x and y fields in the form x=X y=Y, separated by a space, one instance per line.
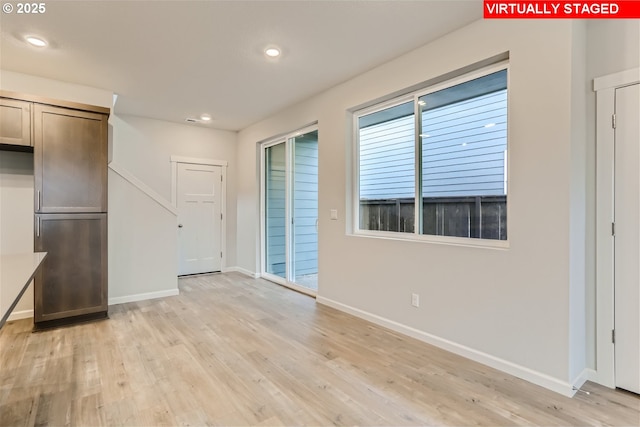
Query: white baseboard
x=535 y=377
x=142 y=297
x=241 y=271
x=601 y=378
x=22 y=314
x=584 y=376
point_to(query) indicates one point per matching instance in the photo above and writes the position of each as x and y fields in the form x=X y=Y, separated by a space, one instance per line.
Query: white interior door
x=627 y=238
x=199 y=191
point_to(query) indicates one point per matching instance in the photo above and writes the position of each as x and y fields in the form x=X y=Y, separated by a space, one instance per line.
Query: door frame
x=223 y=195
x=281 y=139
x=263 y=212
x=605 y=88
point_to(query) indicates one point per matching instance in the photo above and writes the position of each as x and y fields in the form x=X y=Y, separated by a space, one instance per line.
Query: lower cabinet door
x=73 y=278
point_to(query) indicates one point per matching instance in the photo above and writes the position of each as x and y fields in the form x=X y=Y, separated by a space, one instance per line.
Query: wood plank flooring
x=230 y=350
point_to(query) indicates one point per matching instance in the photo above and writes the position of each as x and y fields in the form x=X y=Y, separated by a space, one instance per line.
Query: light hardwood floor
x=231 y=350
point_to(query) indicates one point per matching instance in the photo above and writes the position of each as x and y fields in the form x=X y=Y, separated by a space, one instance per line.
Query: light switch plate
x=415 y=300
x=334 y=214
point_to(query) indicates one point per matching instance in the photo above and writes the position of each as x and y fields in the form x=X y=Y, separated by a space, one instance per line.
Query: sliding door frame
x=263 y=210
x=288 y=141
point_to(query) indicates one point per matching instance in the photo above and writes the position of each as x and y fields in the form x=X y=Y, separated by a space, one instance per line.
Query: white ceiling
x=173 y=59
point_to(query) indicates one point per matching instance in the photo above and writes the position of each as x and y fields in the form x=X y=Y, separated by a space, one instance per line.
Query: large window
x=435 y=161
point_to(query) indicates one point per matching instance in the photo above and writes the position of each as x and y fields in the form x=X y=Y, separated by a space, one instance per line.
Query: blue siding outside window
x=305 y=206
x=460 y=156
x=387 y=165
x=275 y=184
x=463 y=147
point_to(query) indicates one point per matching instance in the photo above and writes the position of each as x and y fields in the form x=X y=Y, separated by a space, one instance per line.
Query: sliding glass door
x=290 y=211
x=304 y=201
x=275 y=209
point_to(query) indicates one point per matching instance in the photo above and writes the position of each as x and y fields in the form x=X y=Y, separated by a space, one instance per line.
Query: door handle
x=38 y=202
x=179 y=225
x=38 y=227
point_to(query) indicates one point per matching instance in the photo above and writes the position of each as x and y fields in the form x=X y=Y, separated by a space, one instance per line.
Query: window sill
x=439 y=240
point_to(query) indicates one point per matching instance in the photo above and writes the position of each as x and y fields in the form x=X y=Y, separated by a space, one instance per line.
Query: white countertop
x=16 y=272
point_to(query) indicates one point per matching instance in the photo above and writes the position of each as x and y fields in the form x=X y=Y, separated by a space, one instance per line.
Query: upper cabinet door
x=15 y=122
x=70 y=154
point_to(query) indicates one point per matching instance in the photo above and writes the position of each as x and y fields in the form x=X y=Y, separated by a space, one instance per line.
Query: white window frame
x=416 y=235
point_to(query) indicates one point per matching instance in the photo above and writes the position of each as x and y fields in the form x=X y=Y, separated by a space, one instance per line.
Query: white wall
x=33 y=85
x=612 y=46
x=577 y=203
x=144 y=147
x=510 y=308
x=143 y=260
x=16 y=220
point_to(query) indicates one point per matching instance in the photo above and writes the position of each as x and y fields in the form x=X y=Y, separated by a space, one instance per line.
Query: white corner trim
x=241 y=271
x=129 y=177
x=198 y=161
x=22 y=314
x=511 y=368
x=586 y=375
x=622 y=78
x=143 y=297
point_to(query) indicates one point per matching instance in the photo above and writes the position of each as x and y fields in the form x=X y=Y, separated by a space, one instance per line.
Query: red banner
x=518 y=9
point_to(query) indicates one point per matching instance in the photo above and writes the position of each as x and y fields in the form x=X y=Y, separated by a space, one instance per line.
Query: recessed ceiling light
x=36 y=41
x=203 y=118
x=272 y=52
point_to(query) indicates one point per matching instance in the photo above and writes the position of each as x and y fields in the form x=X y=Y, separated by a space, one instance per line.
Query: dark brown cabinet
x=70 y=155
x=72 y=280
x=69 y=143
x=15 y=122
x=70 y=172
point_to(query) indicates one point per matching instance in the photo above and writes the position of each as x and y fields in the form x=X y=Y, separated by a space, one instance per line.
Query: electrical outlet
x=415 y=300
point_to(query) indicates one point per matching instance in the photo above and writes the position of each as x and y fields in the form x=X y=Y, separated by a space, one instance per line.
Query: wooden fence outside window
x=482 y=217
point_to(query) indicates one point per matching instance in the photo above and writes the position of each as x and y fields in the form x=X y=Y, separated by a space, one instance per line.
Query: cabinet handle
x=38 y=202
x=38 y=227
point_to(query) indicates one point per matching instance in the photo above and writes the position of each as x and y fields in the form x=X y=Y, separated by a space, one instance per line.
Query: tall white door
x=627 y=238
x=199 y=191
